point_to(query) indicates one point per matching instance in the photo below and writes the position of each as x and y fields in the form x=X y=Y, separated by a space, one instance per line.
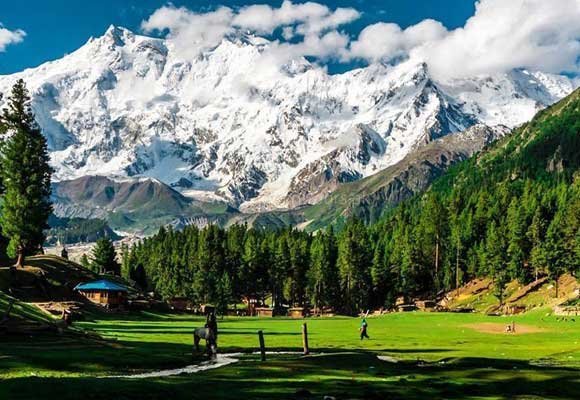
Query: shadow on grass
x=90 y=356
x=352 y=375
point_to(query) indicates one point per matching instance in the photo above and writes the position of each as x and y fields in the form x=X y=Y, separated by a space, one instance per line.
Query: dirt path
x=500 y=328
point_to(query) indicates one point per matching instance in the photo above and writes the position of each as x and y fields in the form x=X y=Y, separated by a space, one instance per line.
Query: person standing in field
x=363 y=329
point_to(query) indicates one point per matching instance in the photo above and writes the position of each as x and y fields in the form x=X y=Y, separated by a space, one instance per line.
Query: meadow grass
x=440 y=355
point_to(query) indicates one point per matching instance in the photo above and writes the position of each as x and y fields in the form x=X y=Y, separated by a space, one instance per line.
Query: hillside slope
x=478 y=295
x=45 y=278
x=512 y=212
x=130 y=204
x=368 y=198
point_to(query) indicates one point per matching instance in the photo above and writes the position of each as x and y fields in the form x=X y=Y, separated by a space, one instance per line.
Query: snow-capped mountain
x=225 y=125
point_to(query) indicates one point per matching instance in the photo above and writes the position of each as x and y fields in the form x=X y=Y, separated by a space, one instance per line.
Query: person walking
x=363 y=329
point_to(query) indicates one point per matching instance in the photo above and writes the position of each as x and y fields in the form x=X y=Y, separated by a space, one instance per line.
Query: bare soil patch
x=500 y=328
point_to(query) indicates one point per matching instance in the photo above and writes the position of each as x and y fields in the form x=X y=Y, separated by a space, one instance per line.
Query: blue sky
x=56 y=27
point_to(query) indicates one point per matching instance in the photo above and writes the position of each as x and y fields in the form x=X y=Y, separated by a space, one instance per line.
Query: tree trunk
x=437 y=256
x=20 y=259
x=457 y=270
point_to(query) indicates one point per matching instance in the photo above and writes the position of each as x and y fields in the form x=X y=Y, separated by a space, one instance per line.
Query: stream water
x=220 y=361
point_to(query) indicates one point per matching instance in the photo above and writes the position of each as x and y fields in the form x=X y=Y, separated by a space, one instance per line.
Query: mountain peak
x=228 y=124
x=118 y=35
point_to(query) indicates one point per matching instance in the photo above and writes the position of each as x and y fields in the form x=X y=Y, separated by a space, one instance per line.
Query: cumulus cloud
x=503 y=35
x=201 y=31
x=383 y=41
x=500 y=36
x=309 y=18
x=8 y=37
x=191 y=33
x=316 y=24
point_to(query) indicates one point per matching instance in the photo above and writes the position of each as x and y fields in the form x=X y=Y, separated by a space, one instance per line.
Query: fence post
x=305 y=339
x=262 y=345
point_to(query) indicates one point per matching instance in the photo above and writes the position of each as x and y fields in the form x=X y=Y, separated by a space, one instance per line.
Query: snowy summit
x=230 y=124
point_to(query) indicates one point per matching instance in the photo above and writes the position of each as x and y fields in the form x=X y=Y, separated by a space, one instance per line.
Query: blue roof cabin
x=103 y=292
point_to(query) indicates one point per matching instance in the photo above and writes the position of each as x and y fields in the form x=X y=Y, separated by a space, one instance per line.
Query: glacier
x=226 y=125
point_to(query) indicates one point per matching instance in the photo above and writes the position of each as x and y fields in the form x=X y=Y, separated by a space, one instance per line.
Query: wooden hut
x=264 y=311
x=106 y=293
x=297 y=312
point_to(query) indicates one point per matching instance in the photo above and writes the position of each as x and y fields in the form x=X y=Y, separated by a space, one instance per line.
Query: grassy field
x=440 y=356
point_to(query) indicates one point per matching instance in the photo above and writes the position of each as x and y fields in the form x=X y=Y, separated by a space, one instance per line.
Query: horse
x=210 y=338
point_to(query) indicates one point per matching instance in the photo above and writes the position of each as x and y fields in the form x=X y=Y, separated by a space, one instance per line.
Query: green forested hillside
x=513 y=212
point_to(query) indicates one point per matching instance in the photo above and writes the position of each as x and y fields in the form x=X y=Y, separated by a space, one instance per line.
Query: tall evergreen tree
x=224 y=294
x=25 y=174
x=104 y=257
x=84 y=261
x=555 y=251
x=279 y=270
x=322 y=275
x=354 y=262
x=535 y=235
x=496 y=260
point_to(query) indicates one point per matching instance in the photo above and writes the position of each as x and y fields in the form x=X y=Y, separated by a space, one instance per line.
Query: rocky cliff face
x=369 y=197
x=215 y=127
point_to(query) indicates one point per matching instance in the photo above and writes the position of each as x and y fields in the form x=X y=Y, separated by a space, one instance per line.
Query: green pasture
x=439 y=355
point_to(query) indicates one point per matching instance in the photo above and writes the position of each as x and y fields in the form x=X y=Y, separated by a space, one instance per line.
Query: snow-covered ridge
x=229 y=124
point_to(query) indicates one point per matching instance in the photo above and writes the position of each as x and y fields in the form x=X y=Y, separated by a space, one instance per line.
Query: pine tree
x=555 y=251
x=252 y=275
x=322 y=274
x=535 y=235
x=25 y=174
x=224 y=293
x=279 y=271
x=299 y=259
x=433 y=222
x=125 y=261
x=85 y=261
x=104 y=257
x=517 y=244
x=382 y=278
x=354 y=262
x=496 y=260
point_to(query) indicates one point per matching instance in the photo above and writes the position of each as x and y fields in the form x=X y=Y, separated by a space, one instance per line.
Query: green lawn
x=441 y=356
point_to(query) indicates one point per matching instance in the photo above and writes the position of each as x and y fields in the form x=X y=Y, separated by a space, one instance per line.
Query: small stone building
x=106 y=293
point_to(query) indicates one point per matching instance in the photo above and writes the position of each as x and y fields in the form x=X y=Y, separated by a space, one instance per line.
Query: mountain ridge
x=224 y=127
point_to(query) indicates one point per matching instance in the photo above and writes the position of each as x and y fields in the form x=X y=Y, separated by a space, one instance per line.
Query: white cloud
x=502 y=35
x=314 y=24
x=191 y=33
x=384 y=41
x=8 y=37
x=308 y=17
